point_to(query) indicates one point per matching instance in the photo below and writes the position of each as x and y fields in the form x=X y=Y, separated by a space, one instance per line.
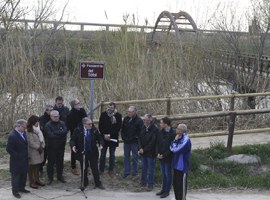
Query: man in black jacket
x=74 y=119
x=164 y=139
x=61 y=108
x=147 y=147
x=110 y=122
x=42 y=122
x=131 y=129
x=57 y=136
x=84 y=143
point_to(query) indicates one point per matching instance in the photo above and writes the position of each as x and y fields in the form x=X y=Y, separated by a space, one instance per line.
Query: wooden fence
x=231 y=114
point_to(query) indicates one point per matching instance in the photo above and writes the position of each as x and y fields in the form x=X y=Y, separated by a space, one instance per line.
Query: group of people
x=171 y=147
x=42 y=139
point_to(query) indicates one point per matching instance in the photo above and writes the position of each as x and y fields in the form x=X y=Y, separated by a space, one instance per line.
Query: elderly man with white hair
x=17 y=149
x=181 y=148
x=131 y=128
x=57 y=137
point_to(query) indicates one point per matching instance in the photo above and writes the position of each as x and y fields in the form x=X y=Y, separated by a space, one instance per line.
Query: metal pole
x=91 y=99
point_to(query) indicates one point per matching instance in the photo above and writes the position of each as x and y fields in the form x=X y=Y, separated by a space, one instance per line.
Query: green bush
x=194 y=162
x=217 y=150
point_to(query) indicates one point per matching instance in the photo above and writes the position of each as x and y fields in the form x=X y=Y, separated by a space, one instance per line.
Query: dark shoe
x=101 y=187
x=75 y=172
x=49 y=182
x=61 y=180
x=142 y=184
x=24 y=191
x=125 y=175
x=34 y=186
x=149 y=188
x=17 y=195
x=160 y=193
x=164 y=195
x=111 y=173
x=40 y=183
x=101 y=172
x=135 y=178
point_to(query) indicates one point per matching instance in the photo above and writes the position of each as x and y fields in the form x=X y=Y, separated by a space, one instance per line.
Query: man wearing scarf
x=110 y=123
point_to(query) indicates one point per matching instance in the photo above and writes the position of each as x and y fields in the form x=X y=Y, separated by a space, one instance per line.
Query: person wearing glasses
x=17 y=148
x=181 y=148
x=83 y=143
x=147 y=145
x=57 y=136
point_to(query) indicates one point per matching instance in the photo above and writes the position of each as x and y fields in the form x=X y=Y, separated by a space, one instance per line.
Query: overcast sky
x=112 y=11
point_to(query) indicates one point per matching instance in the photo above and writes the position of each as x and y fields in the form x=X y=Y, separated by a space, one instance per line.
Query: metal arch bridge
x=174 y=22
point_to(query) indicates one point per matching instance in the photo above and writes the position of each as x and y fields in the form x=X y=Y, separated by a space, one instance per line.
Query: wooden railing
x=232 y=113
x=249 y=63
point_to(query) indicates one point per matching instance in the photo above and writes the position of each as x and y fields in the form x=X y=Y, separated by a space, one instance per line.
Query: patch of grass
x=3 y=152
x=262 y=150
x=5 y=174
x=206 y=179
x=227 y=174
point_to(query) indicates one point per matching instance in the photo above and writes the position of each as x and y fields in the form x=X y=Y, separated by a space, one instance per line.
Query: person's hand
x=40 y=149
x=107 y=137
x=141 y=151
x=160 y=156
x=74 y=149
x=177 y=136
x=100 y=147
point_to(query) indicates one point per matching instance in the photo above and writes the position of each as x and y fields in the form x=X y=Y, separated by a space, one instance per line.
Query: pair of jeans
x=166 y=171
x=135 y=157
x=148 y=171
x=102 y=160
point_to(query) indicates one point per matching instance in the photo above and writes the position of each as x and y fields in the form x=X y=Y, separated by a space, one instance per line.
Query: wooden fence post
x=168 y=106
x=231 y=125
x=232 y=102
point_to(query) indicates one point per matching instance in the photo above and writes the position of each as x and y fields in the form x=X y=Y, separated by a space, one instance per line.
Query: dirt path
x=71 y=194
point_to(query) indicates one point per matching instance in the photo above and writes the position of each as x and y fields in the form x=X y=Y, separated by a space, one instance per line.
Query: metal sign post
x=92 y=99
x=92 y=71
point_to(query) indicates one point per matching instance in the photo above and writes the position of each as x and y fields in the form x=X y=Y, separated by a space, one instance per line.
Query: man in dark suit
x=109 y=125
x=84 y=143
x=17 y=148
